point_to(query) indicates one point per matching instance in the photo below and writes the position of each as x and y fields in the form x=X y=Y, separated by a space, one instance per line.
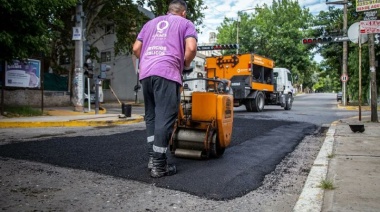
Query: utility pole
x=344 y=65
x=372 y=67
x=77 y=97
x=237 y=32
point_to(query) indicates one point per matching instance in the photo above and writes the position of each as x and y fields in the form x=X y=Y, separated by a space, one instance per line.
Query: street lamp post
x=237 y=25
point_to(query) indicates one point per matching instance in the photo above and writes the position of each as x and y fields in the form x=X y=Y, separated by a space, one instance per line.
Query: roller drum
x=190 y=139
x=194 y=135
x=186 y=153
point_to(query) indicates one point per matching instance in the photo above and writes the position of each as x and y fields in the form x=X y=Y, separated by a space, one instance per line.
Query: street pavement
x=348 y=161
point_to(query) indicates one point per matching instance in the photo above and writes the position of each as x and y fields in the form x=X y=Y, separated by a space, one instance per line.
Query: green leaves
x=27 y=30
x=275 y=32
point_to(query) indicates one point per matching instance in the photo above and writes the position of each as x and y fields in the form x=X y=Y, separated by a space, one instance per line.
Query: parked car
x=92 y=97
x=339 y=96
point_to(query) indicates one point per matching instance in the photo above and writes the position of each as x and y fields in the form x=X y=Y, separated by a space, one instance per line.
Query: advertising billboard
x=24 y=73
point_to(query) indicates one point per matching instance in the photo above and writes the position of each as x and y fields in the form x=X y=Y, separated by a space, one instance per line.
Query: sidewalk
x=67 y=117
x=349 y=161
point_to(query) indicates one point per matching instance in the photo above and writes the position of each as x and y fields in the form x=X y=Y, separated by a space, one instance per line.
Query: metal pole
x=88 y=94
x=237 y=33
x=344 y=65
x=97 y=96
x=360 y=77
x=2 y=77
x=237 y=26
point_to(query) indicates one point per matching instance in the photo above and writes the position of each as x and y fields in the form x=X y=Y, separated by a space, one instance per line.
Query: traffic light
x=103 y=69
x=225 y=46
x=317 y=40
x=86 y=49
x=218 y=47
x=88 y=68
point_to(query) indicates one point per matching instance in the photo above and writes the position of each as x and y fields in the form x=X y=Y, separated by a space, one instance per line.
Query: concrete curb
x=102 y=110
x=69 y=123
x=311 y=198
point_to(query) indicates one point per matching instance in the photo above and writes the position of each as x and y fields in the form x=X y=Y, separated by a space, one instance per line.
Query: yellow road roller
x=203 y=128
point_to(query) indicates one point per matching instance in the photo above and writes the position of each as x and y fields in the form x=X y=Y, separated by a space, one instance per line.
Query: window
x=105 y=56
x=109 y=29
x=106 y=84
x=290 y=77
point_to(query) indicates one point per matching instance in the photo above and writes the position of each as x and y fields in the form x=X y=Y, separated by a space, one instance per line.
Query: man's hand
x=187 y=70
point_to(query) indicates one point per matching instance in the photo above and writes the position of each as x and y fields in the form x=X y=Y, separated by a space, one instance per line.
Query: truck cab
x=283 y=80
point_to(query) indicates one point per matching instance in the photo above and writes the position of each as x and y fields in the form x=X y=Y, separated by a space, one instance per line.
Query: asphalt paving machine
x=203 y=128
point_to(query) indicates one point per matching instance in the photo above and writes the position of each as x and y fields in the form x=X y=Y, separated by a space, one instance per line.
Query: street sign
x=370 y=15
x=344 y=78
x=370 y=27
x=353 y=34
x=205 y=48
x=367 y=5
x=340 y=39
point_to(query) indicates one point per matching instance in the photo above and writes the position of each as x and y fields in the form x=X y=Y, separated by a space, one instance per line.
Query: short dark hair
x=177 y=5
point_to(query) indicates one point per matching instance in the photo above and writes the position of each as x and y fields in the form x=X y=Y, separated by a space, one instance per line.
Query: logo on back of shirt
x=161 y=28
x=162 y=25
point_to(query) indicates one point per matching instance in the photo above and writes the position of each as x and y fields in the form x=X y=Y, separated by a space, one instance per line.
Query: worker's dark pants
x=161 y=100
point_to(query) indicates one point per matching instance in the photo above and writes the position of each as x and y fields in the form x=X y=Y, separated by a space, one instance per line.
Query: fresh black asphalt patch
x=257 y=147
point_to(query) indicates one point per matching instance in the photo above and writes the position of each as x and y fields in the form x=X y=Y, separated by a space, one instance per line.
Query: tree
x=332 y=22
x=39 y=26
x=122 y=16
x=28 y=26
x=194 y=9
x=276 y=32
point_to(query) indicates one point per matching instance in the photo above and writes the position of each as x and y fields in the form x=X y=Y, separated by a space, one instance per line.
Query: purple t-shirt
x=163 y=48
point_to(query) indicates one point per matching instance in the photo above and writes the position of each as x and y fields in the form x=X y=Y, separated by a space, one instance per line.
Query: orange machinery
x=204 y=125
x=253 y=79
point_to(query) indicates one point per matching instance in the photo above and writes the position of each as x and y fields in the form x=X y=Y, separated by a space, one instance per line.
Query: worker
x=224 y=85
x=166 y=45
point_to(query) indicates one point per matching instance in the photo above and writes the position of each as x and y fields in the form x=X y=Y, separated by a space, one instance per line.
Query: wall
x=122 y=76
x=33 y=98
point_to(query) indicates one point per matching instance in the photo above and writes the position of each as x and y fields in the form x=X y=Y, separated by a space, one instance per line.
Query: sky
x=218 y=9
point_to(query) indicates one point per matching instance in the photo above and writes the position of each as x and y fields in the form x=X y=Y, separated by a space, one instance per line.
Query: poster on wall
x=25 y=74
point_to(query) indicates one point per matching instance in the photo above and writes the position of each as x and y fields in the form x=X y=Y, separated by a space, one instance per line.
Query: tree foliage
x=276 y=32
x=194 y=9
x=28 y=26
x=332 y=22
x=36 y=26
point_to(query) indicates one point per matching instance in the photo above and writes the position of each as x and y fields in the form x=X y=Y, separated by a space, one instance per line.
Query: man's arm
x=190 y=50
x=137 y=48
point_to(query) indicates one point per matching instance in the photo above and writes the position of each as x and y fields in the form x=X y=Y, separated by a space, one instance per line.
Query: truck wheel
x=248 y=105
x=258 y=102
x=288 y=102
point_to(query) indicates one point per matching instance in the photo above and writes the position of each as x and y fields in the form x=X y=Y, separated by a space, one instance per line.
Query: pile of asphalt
x=255 y=151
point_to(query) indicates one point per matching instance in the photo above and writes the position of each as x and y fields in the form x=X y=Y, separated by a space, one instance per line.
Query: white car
x=92 y=97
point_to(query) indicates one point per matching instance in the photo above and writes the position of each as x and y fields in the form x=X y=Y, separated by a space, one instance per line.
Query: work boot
x=168 y=170
x=160 y=166
x=150 y=163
